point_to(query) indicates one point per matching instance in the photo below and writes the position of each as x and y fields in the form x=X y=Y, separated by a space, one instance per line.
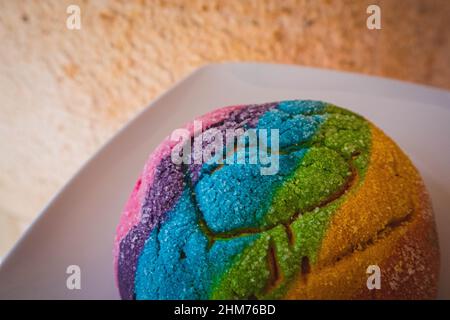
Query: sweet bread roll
x=303 y=202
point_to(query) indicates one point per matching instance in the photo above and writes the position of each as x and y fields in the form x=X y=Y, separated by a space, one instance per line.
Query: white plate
x=78 y=225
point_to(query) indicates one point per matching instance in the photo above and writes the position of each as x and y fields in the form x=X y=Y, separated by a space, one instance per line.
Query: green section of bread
x=322 y=172
x=301 y=209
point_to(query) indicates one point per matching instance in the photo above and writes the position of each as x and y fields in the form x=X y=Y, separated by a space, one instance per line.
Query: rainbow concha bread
x=345 y=197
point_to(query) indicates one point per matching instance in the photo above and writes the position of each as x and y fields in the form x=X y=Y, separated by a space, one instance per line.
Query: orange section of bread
x=386 y=221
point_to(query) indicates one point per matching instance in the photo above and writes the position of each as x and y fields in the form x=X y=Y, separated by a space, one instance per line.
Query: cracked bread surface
x=344 y=197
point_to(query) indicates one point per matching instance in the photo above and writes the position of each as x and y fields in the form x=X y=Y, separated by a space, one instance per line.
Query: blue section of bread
x=177 y=263
x=238 y=196
x=297 y=121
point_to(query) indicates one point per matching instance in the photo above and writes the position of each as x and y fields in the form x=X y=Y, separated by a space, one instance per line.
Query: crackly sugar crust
x=385 y=219
x=389 y=223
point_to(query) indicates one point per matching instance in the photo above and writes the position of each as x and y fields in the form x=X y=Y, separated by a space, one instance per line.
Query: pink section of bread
x=131 y=214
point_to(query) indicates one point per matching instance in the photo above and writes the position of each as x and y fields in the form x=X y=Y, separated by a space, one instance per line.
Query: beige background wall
x=63 y=92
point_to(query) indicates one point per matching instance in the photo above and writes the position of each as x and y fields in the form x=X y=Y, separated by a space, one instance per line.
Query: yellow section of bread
x=346 y=279
x=386 y=195
x=365 y=229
